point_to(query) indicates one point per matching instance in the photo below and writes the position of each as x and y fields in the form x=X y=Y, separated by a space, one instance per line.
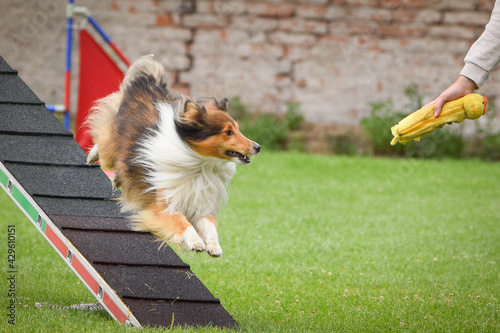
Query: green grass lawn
x=318 y=244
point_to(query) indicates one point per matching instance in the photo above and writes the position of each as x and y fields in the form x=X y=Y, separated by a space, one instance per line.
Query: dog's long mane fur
x=191 y=184
x=173 y=157
x=158 y=160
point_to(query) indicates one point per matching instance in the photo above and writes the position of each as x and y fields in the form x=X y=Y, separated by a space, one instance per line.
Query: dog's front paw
x=207 y=229
x=214 y=249
x=191 y=241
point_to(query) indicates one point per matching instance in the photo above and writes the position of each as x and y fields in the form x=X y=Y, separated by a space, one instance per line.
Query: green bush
x=271 y=131
x=438 y=144
x=491 y=147
x=378 y=127
x=293 y=117
x=342 y=144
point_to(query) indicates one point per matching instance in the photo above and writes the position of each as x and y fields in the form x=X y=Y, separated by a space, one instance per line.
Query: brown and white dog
x=173 y=157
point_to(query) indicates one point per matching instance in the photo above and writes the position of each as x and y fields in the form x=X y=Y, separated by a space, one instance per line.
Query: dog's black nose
x=256 y=147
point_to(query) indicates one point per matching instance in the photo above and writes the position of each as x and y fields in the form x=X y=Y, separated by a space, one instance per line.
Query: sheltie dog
x=172 y=157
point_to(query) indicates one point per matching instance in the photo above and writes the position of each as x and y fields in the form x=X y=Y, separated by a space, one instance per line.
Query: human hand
x=461 y=87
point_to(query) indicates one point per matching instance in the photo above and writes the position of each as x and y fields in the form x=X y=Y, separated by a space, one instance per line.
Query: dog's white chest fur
x=191 y=184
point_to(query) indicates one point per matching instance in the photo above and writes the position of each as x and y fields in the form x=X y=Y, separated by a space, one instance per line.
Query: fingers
x=461 y=87
x=438 y=105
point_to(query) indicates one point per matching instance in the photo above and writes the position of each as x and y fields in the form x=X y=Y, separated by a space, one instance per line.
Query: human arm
x=482 y=58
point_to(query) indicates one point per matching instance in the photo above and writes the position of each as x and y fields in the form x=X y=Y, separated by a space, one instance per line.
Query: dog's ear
x=193 y=112
x=222 y=105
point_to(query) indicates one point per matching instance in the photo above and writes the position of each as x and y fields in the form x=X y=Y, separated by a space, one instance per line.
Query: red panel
x=115 y=310
x=94 y=285
x=99 y=76
x=56 y=241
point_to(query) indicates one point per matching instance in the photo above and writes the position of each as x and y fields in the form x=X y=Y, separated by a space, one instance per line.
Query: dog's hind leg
x=168 y=227
x=93 y=155
x=207 y=229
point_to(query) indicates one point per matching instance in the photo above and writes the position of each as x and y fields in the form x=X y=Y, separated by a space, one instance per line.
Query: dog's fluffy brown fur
x=173 y=157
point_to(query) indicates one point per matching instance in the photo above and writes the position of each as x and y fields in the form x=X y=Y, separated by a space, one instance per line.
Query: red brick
x=303 y=25
x=486 y=5
x=397 y=30
x=163 y=20
x=271 y=9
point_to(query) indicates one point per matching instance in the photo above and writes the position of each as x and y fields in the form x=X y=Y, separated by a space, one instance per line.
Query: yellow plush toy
x=421 y=122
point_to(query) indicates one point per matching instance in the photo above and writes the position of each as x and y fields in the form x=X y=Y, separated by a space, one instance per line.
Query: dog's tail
x=145 y=68
x=101 y=120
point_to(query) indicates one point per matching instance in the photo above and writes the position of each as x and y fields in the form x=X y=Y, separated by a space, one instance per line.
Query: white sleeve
x=484 y=54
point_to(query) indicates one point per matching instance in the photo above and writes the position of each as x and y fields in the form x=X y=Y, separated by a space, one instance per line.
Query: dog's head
x=209 y=130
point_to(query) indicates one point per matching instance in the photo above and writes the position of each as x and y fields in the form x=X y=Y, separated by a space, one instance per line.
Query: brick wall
x=332 y=56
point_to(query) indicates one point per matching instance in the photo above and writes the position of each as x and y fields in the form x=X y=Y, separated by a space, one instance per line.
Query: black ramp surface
x=29 y=119
x=157 y=286
x=14 y=90
x=5 y=68
x=53 y=180
x=123 y=248
x=79 y=207
x=164 y=313
x=90 y=223
x=26 y=149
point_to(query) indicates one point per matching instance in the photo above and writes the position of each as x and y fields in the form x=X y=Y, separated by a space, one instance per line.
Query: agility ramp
x=43 y=170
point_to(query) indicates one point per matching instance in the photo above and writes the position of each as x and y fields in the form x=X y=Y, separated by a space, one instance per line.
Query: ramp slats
x=75 y=208
x=29 y=120
x=148 y=282
x=90 y=223
x=71 y=182
x=164 y=313
x=122 y=248
x=5 y=68
x=26 y=149
x=14 y=90
x=79 y=207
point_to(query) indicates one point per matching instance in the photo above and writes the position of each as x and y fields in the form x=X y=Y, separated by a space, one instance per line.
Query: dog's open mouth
x=245 y=159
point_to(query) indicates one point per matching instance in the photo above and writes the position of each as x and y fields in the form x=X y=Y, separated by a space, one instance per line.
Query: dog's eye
x=229 y=132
